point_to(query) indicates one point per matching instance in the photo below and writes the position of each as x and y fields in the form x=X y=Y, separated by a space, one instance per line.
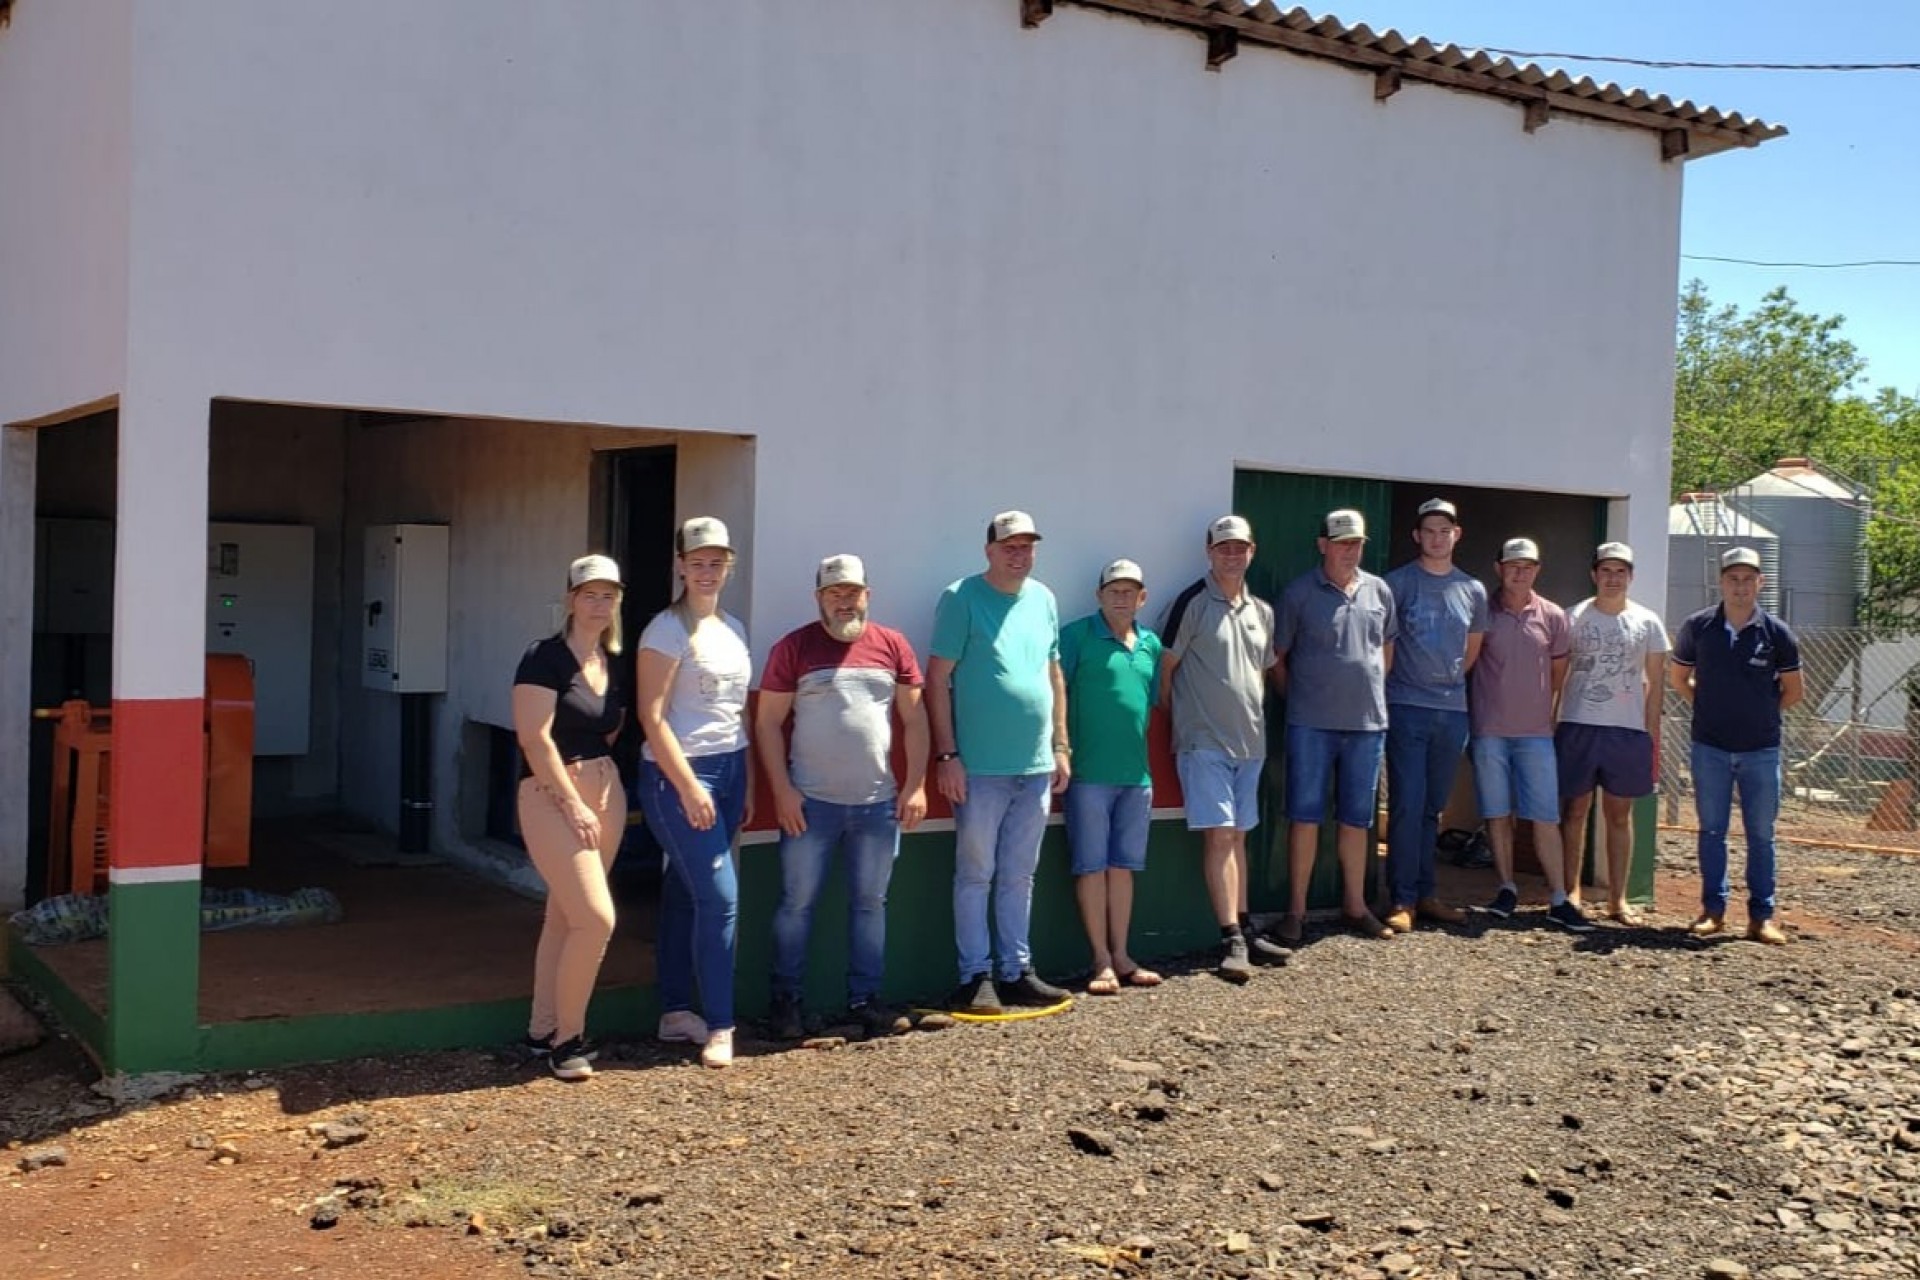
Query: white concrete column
x=17 y=458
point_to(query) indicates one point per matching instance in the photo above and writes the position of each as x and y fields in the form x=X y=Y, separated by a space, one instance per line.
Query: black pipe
x=416 y=771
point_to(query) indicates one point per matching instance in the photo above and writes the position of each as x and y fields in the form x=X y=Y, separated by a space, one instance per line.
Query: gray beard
x=845 y=632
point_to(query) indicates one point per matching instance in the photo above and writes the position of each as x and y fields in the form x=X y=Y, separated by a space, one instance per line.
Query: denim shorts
x=1515 y=777
x=1107 y=827
x=1617 y=760
x=1348 y=759
x=1220 y=790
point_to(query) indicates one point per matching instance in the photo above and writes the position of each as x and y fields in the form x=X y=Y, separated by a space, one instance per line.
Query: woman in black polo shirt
x=569 y=701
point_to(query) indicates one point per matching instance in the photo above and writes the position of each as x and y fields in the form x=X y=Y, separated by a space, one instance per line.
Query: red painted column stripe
x=158 y=780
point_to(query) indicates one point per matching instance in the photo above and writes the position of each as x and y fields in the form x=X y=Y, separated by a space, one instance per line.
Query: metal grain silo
x=1700 y=528
x=1821 y=523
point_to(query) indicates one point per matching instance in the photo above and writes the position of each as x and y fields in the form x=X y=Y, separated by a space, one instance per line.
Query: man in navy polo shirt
x=1739 y=666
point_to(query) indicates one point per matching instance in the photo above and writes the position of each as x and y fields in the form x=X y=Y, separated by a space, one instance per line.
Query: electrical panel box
x=260 y=604
x=403 y=645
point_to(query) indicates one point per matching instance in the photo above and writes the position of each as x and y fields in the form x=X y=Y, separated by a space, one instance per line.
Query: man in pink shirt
x=1510 y=704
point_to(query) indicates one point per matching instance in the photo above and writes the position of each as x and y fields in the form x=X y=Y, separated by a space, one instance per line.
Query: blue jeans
x=700 y=894
x=996 y=842
x=869 y=836
x=1423 y=755
x=1346 y=760
x=1108 y=826
x=1715 y=775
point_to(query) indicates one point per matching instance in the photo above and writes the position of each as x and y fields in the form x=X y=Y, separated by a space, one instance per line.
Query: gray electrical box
x=260 y=604
x=403 y=645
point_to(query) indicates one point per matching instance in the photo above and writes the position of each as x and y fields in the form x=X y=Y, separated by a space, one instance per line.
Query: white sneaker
x=683 y=1026
x=719 y=1050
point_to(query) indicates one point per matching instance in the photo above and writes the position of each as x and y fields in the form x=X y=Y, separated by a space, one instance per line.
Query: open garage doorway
x=432 y=947
x=1286 y=509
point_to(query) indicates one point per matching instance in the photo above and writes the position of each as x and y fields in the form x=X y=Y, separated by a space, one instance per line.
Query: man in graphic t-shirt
x=1609 y=712
x=841 y=680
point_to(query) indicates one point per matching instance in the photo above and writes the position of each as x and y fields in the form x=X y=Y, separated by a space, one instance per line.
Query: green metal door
x=1286 y=509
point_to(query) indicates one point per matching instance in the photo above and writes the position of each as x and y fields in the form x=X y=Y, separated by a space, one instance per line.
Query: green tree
x=1753 y=387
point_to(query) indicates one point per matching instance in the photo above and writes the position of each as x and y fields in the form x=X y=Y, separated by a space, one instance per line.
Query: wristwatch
x=945 y=756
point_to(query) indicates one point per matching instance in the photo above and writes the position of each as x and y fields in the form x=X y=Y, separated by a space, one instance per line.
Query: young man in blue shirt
x=1739 y=667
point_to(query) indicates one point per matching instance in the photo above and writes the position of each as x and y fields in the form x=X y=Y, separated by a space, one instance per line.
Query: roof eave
x=1688 y=131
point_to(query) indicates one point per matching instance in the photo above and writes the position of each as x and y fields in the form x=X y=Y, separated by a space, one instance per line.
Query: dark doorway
x=638 y=486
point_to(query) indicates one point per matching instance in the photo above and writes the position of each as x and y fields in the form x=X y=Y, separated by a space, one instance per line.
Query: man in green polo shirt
x=1112 y=671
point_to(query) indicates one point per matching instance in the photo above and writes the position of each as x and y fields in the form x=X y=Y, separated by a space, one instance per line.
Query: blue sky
x=1844 y=184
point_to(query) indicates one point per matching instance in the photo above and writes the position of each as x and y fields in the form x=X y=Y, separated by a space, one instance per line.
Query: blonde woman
x=694 y=669
x=569 y=701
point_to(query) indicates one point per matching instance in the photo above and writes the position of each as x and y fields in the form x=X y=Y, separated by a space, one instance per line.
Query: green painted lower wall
x=153 y=975
x=1170 y=916
x=24 y=964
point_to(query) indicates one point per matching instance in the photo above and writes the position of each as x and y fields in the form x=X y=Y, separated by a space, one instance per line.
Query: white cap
x=593 y=568
x=1734 y=557
x=1011 y=524
x=1122 y=571
x=700 y=533
x=1438 y=507
x=1229 y=529
x=1519 y=549
x=1344 y=525
x=840 y=570
x=1614 y=551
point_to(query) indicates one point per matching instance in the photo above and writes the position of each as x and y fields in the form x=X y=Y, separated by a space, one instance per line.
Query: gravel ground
x=1496 y=1101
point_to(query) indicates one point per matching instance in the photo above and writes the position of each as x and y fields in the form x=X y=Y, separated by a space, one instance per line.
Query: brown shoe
x=1436 y=910
x=1400 y=920
x=1766 y=931
x=1367 y=926
x=1707 y=925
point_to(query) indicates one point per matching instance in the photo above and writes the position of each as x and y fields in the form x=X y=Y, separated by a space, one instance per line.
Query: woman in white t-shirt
x=694 y=670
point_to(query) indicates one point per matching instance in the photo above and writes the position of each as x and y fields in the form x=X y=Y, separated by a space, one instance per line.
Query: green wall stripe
x=153 y=976
x=24 y=963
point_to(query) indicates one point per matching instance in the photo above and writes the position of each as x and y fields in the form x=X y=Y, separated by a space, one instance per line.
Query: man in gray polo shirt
x=1334 y=633
x=1219 y=647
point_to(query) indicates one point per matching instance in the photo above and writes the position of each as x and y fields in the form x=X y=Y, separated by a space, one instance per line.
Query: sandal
x=1139 y=977
x=1626 y=916
x=1367 y=925
x=1103 y=983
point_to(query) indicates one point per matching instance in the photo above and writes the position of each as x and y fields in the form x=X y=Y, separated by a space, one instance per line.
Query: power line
x=1810 y=266
x=1671 y=64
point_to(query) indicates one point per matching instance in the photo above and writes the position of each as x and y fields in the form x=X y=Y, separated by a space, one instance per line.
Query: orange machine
x=80 y=819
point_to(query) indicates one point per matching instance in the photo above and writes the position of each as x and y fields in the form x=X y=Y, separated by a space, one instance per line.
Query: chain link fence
x=1850 y=751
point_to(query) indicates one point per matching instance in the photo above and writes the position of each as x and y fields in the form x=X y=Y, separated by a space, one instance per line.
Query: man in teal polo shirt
x=1112 y=671
x=996 y=703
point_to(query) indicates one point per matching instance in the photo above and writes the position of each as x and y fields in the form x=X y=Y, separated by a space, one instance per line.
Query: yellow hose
x=1018 y=1015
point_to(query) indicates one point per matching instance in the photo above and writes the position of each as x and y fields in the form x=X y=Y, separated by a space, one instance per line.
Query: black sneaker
x=1504 y=904
x=572 y=1060
x=1234 y=965
x=787 y=1018
x=975 y=995
x=1569 y=917
x=1028 y=991
x=534 y=1048
x=1262 y=949
x=877 y=1019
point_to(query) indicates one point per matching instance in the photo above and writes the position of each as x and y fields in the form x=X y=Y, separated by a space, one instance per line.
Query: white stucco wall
x=936 y=264
x=64 y=89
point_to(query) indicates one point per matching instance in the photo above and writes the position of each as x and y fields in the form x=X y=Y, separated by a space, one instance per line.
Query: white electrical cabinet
x=260 y=604
x=403 y=645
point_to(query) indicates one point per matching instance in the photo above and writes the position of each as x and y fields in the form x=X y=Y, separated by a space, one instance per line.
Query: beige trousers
x=579 y=919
